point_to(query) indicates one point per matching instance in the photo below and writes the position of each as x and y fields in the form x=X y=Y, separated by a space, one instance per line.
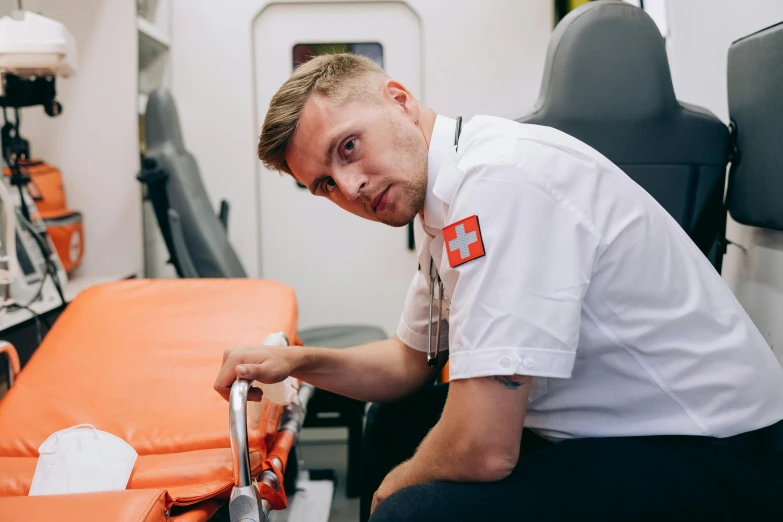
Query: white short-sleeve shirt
x=588 y=285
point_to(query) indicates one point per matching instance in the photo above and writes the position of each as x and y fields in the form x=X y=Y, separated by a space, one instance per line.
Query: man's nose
x=352 y=184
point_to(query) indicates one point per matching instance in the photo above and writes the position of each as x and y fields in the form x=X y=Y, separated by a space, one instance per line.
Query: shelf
x=77 y=285
x=152 y=42
x=50 y=300
x=152 y=33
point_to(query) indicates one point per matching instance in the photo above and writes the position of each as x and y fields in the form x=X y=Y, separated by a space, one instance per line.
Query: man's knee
x=412 y=504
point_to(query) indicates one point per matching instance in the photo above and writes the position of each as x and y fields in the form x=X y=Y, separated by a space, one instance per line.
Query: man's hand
x=267 y=364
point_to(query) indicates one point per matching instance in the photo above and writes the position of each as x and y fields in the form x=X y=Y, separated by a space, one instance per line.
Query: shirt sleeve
x=413 y=327
x=517 y=309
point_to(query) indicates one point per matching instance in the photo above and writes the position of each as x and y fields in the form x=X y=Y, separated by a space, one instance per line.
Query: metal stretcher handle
x=245 y=504
x=13 y=368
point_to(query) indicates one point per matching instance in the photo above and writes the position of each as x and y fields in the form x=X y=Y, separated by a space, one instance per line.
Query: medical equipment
x=8 y=247
x=432 y=355
x=33 y=51
x=34 y=256
x=64 y=226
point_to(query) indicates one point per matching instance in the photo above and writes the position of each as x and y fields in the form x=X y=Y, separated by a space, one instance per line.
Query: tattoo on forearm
x=511 y=382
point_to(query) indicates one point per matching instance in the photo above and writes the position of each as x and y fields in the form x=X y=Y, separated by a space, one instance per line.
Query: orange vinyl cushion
x=144 y=505
x=138 y=359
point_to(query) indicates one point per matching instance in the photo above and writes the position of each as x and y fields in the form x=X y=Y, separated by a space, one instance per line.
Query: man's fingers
x=227 y=353
x=228 y=374
x=263 y=372
x=254 y=364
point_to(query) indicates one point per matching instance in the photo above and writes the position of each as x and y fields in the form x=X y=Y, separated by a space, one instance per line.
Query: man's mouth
x=379 y=201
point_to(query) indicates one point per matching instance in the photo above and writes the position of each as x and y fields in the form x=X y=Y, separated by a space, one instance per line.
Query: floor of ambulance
x=321 y=500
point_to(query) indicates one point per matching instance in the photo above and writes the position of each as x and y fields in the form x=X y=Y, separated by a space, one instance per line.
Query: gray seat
x=755 y=84
x=198 y=236
x=607 y=82
x=340 y=336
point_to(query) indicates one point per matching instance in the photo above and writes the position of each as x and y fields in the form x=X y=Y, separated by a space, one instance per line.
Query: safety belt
x=703 y=229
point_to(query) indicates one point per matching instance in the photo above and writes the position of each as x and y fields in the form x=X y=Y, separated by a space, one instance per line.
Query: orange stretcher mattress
x=117 y=506
x=138 y=359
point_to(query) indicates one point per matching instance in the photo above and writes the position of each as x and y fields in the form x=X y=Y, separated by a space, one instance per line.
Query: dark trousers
x=664 y=478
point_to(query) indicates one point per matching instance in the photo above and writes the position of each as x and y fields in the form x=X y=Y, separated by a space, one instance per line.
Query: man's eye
x=350 y=145
x=329 y=184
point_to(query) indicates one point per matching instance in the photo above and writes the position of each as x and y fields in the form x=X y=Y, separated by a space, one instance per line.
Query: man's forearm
x=441 y=458
x=465 y=445
x=377 y=372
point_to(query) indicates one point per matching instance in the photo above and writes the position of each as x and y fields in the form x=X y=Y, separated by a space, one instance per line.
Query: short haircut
x=344 y=77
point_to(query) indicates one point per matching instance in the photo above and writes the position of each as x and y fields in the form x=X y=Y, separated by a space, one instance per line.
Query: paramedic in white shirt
x=576 y=307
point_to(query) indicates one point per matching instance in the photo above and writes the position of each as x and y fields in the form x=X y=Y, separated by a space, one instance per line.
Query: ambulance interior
x=141 y=236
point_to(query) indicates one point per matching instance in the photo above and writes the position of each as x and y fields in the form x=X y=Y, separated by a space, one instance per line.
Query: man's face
x=371 y=160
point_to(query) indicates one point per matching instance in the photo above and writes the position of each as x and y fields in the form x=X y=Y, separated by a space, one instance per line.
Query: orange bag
x=64 y=226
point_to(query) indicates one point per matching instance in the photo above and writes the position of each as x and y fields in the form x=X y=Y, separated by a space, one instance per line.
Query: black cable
x=38 y=320
x=27 y=306
x=49 y=268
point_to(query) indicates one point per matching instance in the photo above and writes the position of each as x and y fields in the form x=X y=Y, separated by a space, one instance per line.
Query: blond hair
x=342 y=77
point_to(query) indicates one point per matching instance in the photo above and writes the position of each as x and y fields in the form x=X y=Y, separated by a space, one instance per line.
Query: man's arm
x=377 y=372
x=476 y=439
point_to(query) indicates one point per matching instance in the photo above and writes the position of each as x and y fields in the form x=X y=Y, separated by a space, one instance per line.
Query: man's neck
x=427 y=123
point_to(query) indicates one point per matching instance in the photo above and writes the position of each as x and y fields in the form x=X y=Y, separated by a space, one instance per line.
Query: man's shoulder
x=488 y=140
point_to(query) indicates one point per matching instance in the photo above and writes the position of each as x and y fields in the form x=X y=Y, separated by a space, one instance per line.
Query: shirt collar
x=441 y=143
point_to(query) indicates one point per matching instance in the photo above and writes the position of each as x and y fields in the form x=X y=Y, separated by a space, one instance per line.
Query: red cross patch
x=463 y=241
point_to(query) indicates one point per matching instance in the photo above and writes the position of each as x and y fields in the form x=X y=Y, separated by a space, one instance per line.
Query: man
x=574 y=306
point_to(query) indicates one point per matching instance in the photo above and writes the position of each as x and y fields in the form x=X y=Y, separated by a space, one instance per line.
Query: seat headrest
x=600 y=40
x=755 y=84
x=161 y=122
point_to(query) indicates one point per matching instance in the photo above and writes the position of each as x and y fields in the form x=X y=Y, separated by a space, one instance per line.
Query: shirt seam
x=522 y=351
x=653 y=375
x=565 y=353
x=544 y=375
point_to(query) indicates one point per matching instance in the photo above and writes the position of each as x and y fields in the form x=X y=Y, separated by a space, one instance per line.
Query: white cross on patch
x=463 y=241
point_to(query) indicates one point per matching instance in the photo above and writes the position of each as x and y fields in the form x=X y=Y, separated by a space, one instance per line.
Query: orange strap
x=13 y=357
x=280 y=448
x=444 y=373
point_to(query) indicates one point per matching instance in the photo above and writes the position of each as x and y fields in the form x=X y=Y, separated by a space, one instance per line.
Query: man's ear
x=402 y=98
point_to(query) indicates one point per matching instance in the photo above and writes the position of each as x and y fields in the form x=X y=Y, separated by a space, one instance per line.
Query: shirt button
x=528 y=362
x=505 y=362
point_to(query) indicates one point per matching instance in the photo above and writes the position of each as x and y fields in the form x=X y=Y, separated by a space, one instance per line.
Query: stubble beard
x=411 y=158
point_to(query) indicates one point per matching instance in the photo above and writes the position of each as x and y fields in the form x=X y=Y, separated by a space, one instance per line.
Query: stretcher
x=138 y=359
